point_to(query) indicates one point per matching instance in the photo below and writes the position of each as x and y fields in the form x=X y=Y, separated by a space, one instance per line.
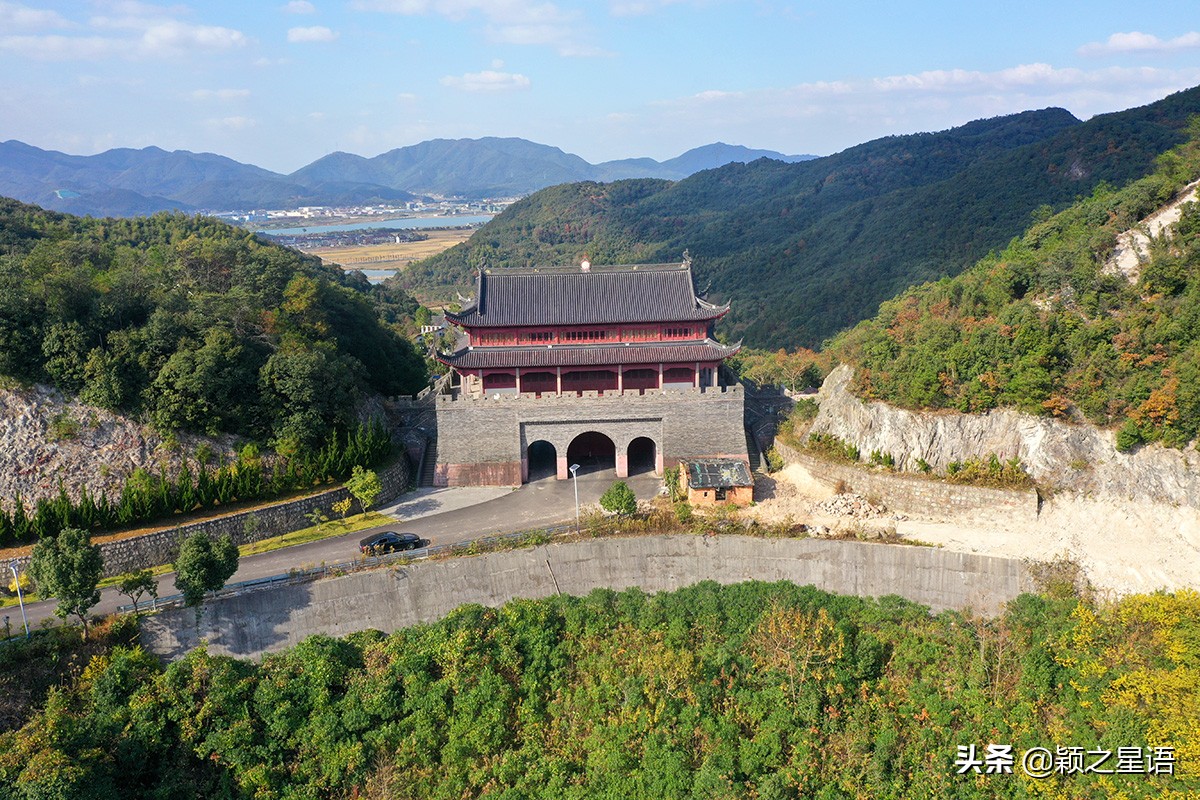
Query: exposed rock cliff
x=1078 y=458
x=45 y=439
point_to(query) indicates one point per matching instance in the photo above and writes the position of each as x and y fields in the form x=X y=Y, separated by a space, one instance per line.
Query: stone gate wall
x=484 y=441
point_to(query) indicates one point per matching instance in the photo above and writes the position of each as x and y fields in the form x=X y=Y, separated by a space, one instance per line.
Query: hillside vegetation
x=1045 y=327
x=196 y=325
x=807 y=249
x=748 y=691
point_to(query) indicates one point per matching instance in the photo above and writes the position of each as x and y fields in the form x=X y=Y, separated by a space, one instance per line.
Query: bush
x=671 y=480
x=1129 y=436
x=881 y=459
x=830 y=446
x=619 y=499
x=774 y=460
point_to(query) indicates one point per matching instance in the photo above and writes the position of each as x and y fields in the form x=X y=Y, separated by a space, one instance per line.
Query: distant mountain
x=496 y=167
x=807 y=249
x=126 y=182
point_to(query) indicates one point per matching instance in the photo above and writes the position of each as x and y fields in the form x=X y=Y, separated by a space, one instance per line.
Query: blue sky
x=281 y=83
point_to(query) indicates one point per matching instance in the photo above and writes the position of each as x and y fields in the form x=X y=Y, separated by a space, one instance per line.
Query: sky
x=280 y=83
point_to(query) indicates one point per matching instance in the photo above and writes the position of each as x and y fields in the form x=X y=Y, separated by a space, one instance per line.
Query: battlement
x=566 y=399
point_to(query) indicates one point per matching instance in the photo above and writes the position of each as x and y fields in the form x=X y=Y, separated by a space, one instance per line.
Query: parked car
x=389 y=542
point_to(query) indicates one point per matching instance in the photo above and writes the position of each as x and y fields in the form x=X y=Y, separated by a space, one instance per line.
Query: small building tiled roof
x=718 y=473
x=571 y=296
x=587 y=355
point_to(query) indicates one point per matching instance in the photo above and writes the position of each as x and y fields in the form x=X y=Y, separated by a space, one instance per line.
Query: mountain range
x=128 y=182
x=807 y=249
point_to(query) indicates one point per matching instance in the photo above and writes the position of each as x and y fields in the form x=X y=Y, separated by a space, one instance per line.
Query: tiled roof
x=587 y=355
x=569 y=296
x=718 y=473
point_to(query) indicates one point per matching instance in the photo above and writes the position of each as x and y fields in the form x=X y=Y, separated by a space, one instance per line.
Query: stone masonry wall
x=920 y=496
x=162 y=546
x=484 y=440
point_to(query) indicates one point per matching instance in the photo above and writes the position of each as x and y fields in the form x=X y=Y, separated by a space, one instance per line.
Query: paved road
x=538 y=504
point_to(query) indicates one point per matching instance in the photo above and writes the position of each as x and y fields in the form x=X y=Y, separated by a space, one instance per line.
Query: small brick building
x=712 y=481
x=606 y=367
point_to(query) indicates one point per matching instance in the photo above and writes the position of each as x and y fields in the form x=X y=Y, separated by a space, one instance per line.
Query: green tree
x=204 y=566
x=135 y=584
x=619 y=499
x=365 y=485
x=68 y=567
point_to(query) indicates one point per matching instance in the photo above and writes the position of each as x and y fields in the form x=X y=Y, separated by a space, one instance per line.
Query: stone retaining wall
x=162 y=546
x=387 y=599
x=924 y=497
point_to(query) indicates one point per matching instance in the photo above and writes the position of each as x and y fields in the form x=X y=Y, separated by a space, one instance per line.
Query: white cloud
x=171 y=38
x=1137 y=42
x=61 y=48
x=220 y=94
x=231 y=123
x=299 y=7
x=487 y=81
x=315 y=33
x=637 y=8
x=14 y=16
x=137 y=31
x=829 y=115
x=523 y=22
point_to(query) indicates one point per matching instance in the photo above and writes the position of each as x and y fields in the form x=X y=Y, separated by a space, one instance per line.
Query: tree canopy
x=204 y=565
x=1046 y=326
x=196 y=324
x=68 y=567
x=755 y=690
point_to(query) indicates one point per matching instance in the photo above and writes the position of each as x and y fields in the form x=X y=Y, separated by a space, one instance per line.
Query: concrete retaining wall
x=387 y=599
x=162 y=546
x=909 y=494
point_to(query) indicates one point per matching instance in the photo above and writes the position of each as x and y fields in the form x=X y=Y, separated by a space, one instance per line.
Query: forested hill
x=1052 y=326
x=807 y=249
x=768 y=691
x=195 y=325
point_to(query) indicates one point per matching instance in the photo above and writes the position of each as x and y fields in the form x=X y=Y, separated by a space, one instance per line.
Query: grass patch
x=315 y=533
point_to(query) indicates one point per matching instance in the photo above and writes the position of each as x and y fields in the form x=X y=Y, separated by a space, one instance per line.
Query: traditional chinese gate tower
x=586 y=362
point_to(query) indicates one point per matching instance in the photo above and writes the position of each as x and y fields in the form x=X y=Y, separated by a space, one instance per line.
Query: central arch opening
x=593 y=452
x=543 y=461
x=641 y=455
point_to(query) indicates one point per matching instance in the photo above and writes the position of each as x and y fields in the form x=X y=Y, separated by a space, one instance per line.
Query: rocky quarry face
x=47 y=440
x=1078 y=458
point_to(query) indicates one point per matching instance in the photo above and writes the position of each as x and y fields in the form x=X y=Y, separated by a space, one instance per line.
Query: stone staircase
x=428 y=463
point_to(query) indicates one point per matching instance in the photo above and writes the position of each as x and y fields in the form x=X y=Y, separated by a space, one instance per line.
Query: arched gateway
x=612 y=368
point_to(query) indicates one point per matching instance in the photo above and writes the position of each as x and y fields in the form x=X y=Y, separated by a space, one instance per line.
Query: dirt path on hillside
x=1122 y=547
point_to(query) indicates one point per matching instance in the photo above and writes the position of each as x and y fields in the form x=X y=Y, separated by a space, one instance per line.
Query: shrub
x=619 y=499
x=830 y=446
x=774 y=460
x=671 y=479
x=1129 y=436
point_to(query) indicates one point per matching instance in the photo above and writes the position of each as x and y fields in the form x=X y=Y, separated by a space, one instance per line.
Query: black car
x=389 y=542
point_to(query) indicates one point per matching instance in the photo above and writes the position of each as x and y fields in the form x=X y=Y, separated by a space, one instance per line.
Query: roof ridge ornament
x=687 y=258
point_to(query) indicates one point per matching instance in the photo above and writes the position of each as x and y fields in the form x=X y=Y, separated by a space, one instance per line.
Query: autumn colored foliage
x=746 y=691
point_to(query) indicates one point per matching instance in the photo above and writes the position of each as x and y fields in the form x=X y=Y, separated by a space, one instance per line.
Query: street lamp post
x=21 y=598
x=575 y=477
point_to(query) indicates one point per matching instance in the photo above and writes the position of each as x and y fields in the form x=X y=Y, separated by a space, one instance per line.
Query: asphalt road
x=539 y=504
